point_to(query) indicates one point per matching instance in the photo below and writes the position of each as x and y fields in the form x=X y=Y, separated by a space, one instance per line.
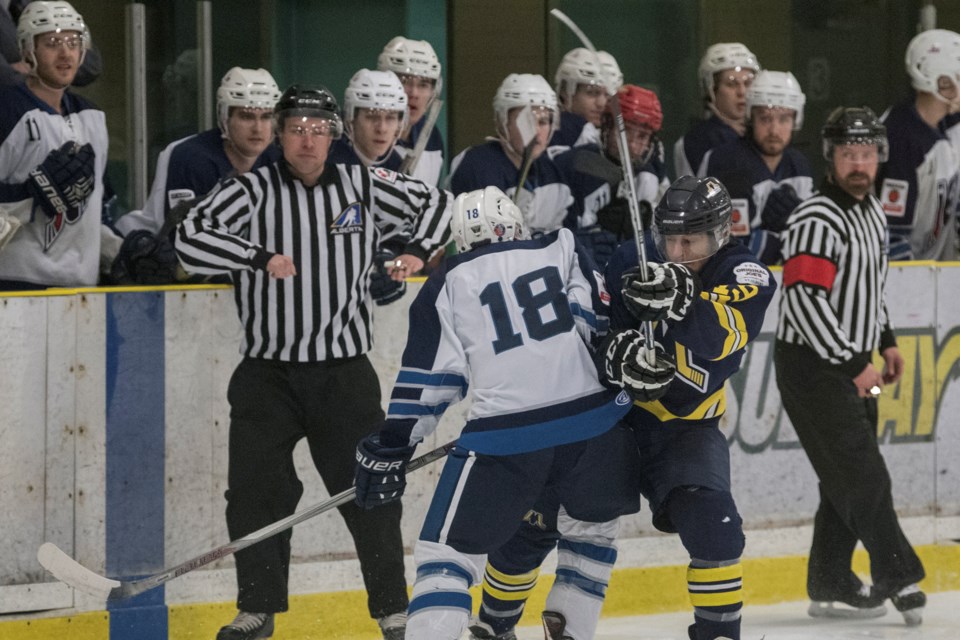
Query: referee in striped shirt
x=303 y=242
x=833 y=316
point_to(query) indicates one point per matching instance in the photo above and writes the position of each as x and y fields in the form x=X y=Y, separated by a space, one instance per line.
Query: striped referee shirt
x=834 y=275
x=331 y=232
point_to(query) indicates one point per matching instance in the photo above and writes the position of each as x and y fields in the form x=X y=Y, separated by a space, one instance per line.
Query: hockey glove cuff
x=61 y=184
x=145 y=259
x=384 y=289
x=780 y=204
x=625 y=366
x=380 y=477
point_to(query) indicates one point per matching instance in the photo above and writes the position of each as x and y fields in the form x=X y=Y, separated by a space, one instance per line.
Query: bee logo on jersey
x=350 y=220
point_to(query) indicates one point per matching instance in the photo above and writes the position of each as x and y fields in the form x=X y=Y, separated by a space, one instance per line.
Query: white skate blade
x=845 y=611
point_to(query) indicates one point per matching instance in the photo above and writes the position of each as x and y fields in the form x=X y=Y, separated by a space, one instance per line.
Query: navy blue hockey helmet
x=854 y=125
x=691 y=206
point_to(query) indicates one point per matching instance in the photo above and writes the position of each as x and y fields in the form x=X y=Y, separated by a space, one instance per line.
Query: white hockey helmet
x=41 y=17
x=579 y=66
x=245 y=88
x=932 y=54
x=777 y=89
x=521 y=90
x=720 y=56
x=374 y=90
x=485 y=216
x=411 y=57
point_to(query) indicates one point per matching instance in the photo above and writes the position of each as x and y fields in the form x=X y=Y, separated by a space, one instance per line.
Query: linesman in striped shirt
x=303 y=241
x=833 y=317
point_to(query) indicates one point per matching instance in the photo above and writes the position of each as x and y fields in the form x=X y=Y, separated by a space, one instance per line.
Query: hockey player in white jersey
x=418 y=67
x=375 y=113
x=526 y=115
x=919 y=182
x=53 y=153
x=484 y=321
x=584 y=90
x=191 y=167
x=726 y=71
x=765 y=175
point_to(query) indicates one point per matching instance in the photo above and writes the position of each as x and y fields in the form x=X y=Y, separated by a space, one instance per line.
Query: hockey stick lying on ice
x=74 y=574
x=626 y=166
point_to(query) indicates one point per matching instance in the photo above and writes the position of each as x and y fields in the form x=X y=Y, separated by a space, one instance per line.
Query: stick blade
x=72 y=573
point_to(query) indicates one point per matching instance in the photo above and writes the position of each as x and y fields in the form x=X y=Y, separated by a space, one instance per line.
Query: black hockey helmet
x=693 y=205
x=309 y=102
x=854 y=125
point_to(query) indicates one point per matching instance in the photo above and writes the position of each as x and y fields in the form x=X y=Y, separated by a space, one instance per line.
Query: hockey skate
x=394 y=626
x=692 y=632
x=862 y=603
x=248 y=626
x=553 y=625
x=483 y=631
x=910 y=602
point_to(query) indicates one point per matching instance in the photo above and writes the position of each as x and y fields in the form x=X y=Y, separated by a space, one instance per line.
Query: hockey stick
x=627 y=168
x=409 y=164
x=525 y=164
x=594 y=164
x=73 y=574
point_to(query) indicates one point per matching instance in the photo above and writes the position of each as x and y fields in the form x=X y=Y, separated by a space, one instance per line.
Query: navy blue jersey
x=187 y=169
x=741 y=168
x=709 y=342
x=513 y=321
x=343 y=152
x=591 y=193
x=688 y=152
x=430 y=164
x=918 y=187
x=545 y=196
x=574 y=131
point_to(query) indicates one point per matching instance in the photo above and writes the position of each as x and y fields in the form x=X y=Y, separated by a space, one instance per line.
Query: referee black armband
x=260 y=258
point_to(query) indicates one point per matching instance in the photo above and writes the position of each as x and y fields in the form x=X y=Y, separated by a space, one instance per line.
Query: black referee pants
x=838 y=431
x=333 y=404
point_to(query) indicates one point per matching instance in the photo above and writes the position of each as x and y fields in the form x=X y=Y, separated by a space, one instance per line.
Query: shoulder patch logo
x=175 y=196
x=601 y=287
x=350 y=220
x=893 y=197
x=386 y=174
x=752 y=273
x=740 y=217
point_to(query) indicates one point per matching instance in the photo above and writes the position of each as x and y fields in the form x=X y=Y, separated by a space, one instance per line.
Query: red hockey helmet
x=639 y=106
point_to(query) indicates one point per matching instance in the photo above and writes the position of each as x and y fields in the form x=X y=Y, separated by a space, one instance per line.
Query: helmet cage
x=483 y=217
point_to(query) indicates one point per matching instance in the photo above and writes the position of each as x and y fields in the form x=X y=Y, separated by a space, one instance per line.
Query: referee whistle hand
x=869 y=382
x=404 y=265
x=281 y=266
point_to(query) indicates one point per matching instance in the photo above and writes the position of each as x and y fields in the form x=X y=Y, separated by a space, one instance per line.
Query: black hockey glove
x=668 y=293
x=615 y=217
x=380 y=477
x=780 y=203
x=625 y=366
x=598 y=242
x=144 y=259
x=383 y=288
x=61 y=184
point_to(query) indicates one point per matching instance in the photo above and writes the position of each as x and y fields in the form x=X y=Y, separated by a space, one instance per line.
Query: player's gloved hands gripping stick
x=668 y=293
x=625 y=366
x=381 y=474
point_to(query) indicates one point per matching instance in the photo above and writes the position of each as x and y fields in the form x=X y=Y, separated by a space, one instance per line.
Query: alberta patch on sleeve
x=752 y=273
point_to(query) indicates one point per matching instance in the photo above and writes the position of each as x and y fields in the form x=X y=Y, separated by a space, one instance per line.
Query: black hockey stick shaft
x=627 y=167
x=75 y=575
